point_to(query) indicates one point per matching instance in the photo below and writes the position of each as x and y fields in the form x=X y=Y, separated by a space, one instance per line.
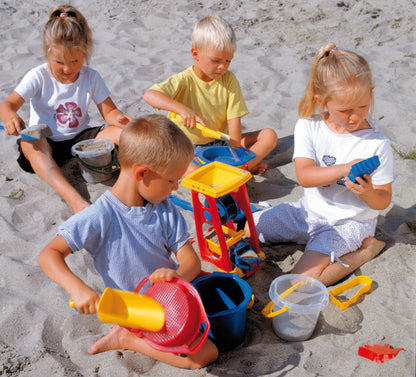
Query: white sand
x=142 y=42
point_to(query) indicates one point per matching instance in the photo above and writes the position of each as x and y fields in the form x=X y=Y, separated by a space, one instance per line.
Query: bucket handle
x=269 y=313
x=268 y=309
x=113 y=165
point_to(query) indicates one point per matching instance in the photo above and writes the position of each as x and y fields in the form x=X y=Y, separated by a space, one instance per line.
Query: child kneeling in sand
x=131 y=232
x=336 y=216
x=210 y=94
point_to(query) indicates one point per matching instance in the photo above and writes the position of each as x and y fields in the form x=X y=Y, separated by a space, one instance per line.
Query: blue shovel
x=34 y=132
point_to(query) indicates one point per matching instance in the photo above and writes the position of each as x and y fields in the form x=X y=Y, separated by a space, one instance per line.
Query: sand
x=142 y=42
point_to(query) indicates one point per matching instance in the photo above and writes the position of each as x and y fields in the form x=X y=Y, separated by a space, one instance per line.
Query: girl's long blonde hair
x=334 y=71
x=67 y=26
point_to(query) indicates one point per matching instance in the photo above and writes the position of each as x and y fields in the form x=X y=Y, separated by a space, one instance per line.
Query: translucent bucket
x=95 y=159
x=297 y=301
x=225 y=297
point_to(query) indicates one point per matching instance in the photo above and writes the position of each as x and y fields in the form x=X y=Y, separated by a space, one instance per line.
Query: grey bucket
x=97 y=159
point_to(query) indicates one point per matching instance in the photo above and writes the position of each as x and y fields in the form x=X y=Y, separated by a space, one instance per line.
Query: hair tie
x=328 y=53
x=332 y=51
x=63 y=15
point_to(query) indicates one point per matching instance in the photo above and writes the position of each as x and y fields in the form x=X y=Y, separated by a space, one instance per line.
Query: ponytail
x=334 y=70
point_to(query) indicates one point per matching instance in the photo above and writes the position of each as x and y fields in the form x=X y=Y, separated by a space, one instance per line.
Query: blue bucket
x=205 y=155
x=225 y=297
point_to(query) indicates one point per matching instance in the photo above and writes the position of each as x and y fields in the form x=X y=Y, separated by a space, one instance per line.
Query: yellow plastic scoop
x=130 y=310
x=207 y=132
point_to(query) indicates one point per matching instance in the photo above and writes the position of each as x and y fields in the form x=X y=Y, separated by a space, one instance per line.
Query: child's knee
x=205 y=356
x=270 y=136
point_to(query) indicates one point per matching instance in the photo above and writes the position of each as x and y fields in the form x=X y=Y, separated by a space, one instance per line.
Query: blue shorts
x=289 y=222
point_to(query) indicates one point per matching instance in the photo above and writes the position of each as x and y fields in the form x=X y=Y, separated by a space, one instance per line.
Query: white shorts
x=289 y=222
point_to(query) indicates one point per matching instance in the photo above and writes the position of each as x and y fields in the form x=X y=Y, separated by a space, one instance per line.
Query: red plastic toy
x=219 y=195
x=378 y=353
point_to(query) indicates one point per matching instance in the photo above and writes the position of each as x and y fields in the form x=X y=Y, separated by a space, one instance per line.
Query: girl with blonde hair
x=337 y=217
x=60 y=92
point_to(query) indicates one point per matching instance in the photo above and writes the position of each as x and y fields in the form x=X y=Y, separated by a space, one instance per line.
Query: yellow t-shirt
x=215 y=101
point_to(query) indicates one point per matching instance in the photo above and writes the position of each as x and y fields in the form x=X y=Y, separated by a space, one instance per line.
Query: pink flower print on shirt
x=69 y=114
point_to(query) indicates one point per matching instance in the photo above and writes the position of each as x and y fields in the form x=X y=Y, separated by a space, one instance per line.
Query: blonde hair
x=154 y=141
x=67 y=26
x=214 y=32
x=334 y=71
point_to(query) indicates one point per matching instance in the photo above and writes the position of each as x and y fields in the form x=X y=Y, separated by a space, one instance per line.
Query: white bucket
x=297 y=302
x=95 y=159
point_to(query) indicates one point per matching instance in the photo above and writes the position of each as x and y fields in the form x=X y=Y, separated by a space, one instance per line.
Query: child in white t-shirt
x=336 y=216
x=60 y=92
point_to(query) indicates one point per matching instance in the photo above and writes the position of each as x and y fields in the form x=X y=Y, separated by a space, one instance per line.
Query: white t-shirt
x=63 y=107
x=334 y=202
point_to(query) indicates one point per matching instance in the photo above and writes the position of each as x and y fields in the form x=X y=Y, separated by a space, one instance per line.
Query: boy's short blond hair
x=154 y=141
x=214 y=32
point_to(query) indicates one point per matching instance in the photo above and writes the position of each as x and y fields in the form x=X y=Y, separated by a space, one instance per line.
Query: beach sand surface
x=139 y=43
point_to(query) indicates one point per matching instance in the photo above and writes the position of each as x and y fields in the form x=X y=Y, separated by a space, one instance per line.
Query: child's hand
x=14 y=125
x=189 y=118
x=163 y=274
x=348 y=165
x=122 y=120
x=363 y=188
x=86 y=301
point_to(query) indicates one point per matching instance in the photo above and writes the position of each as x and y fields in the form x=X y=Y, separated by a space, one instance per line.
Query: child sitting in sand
x=60 y=92
x=131 y=231
x=336 y=216
x=209 y=94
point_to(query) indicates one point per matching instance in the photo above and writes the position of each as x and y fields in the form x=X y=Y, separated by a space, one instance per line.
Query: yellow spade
x=207 y=132
x=130 y=310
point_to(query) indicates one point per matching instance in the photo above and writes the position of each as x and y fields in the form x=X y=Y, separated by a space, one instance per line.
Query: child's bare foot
x=111 y=341
x=260 y=168
x=372 y=247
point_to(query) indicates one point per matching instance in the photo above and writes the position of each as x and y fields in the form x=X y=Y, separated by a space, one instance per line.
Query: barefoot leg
x=261 y=143
x=112 y=133
x=315 y=264
x=40 y=157
x=121 y=338
x=370 y=248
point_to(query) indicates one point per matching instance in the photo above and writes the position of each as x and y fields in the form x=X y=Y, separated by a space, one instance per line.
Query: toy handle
x=269 y=313
x=208 y=132
x=202 y=339
x=251 y=302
